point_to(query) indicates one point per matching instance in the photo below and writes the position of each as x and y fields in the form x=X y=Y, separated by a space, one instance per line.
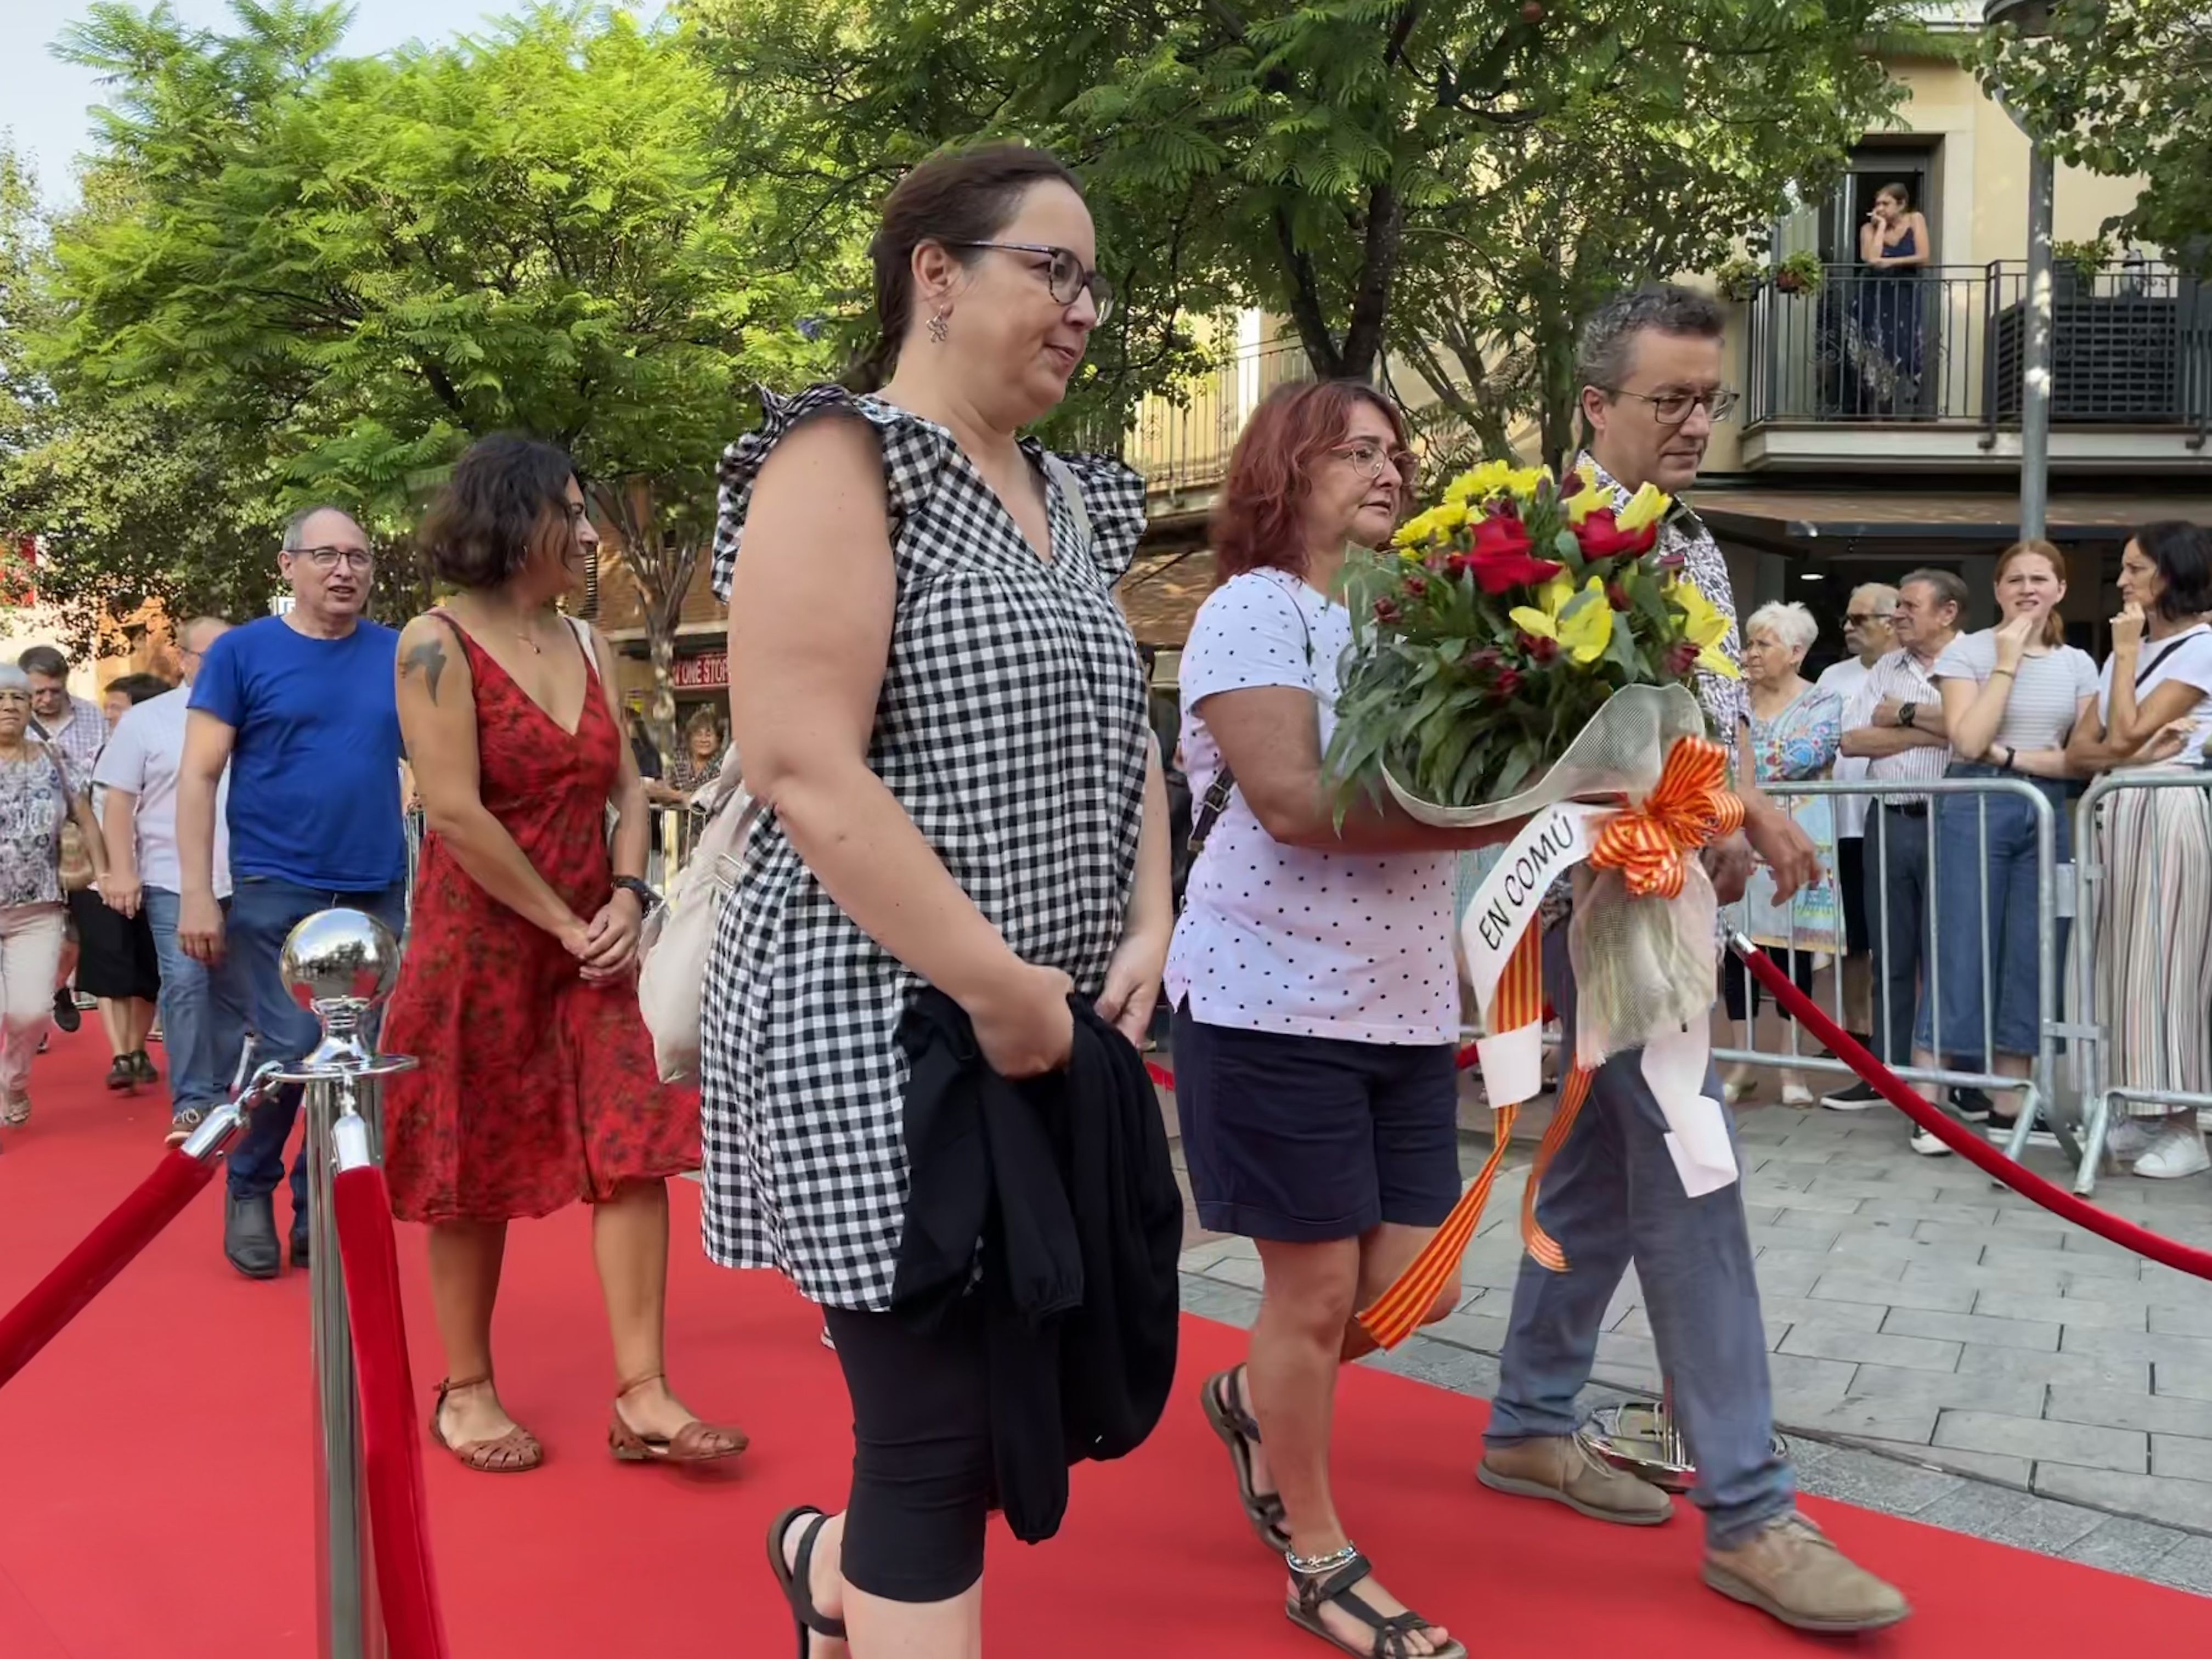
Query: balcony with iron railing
x=1925 y=368
x=1180 y=443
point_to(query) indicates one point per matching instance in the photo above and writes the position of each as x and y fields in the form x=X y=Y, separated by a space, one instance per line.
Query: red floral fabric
x=535 y=1089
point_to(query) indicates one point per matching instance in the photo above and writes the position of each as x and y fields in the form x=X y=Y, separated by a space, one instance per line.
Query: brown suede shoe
x=1561 y=1470
x=1790 y=1569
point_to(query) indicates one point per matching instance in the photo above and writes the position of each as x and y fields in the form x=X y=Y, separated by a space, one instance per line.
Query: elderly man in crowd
x=1869 y=637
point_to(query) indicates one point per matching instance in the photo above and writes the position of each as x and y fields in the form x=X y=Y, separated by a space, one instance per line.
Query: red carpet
x=155 y=1483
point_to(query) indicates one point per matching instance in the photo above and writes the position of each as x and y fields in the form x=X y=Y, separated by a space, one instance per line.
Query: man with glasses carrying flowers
x=1651 y=369
x=301 y=709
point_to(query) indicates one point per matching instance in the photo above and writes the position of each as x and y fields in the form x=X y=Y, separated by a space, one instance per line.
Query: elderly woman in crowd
x=37 y=796
x=1315 y=1002
x=1796 y=728
x=2153 y=955
x=116 y=959
x=2013 y=697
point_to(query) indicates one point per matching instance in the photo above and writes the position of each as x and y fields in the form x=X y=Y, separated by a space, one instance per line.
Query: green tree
x=373 y=261
x=1323 y=158
x=2123 y=87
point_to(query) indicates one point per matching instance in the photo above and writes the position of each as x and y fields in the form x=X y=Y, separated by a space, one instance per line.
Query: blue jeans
x=263 y=913
x=1612 y=1195
x=2000 y=876
x=203 y=1013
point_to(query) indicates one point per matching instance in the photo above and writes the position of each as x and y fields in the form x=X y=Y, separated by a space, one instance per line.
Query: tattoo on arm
x=428 y=658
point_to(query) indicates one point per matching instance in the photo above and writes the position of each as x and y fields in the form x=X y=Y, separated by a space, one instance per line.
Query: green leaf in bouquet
x=1519 y=765
x=1451 y=754
x=1467 y=784
x=1620 y=651
x=1569 y=552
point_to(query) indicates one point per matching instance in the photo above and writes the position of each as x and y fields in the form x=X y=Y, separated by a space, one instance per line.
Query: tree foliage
x=373 y=261
x=1455 y=178
x=2123 y=87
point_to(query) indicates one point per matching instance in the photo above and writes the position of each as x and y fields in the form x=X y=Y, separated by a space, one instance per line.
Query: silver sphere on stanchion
x=340 y=966
x=1640 y=1438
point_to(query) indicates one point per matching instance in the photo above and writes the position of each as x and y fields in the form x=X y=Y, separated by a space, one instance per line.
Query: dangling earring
x=938 y=327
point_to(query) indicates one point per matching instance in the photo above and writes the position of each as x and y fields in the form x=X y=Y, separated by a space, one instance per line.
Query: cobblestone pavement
x=1940 y=1347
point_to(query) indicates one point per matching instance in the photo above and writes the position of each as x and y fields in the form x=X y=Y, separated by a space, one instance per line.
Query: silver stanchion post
x=340 y=964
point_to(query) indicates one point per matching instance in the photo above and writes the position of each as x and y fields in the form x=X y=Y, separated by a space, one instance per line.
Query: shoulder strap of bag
x=1215 y=801
x=1070 y=489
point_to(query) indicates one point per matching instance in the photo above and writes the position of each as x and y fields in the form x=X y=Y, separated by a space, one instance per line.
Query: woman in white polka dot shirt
x=1315 y=999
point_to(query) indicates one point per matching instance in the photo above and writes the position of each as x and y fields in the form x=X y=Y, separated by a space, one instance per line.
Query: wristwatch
x=1906 y=712
x=647 y=898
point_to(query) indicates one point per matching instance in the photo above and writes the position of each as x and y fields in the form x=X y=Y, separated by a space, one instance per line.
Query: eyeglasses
x=1373 y=458
x=1673 y=408
x=327 y=558
x=1860 y=619
x=1064 y=275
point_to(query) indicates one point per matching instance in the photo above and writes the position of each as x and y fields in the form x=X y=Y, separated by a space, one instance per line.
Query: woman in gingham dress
x=937 y=698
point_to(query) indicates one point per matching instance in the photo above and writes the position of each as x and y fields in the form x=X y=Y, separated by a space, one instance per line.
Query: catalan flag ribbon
x=1689 y=807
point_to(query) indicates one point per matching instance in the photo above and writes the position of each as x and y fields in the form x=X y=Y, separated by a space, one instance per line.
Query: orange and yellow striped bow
x=1690 y=807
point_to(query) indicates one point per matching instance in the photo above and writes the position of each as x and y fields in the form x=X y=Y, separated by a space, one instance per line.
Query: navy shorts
x=1305 y=1139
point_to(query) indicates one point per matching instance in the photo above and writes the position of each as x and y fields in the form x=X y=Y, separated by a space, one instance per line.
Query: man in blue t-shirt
x=300 y=708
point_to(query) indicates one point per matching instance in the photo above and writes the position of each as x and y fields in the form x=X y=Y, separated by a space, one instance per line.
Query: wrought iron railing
x=1182 y=443
x=2131 y=344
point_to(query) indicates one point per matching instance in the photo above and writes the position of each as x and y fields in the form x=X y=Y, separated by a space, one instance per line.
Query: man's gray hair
x=296 y=526
x=1950 y=588
x=1880 y=592
x=1608 y=342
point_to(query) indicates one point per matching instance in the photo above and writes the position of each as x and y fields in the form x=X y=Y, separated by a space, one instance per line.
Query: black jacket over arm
x=1053 y=1200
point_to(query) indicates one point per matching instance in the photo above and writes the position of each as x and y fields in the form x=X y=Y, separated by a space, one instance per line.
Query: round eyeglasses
x=1066 y=275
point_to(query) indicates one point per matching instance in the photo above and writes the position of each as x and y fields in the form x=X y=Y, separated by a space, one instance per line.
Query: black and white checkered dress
x=1011 y=728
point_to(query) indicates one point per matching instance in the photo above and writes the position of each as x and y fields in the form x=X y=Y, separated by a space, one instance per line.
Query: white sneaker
x=2177 y=1152
x=1928 y=1146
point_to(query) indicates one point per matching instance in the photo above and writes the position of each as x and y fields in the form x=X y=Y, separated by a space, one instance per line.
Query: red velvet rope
x=1463 y=1060
x=106 y=1251
x=1964 y=1140
x=391 y=1449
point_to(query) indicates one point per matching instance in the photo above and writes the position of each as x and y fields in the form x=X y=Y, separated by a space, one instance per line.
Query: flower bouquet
x=1525 y=650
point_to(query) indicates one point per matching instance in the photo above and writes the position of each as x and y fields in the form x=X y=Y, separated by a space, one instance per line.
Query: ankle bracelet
x=1313 y=1566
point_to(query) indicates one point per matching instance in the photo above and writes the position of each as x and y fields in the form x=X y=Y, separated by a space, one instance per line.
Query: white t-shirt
x=1846 y=679
x=142 y=755
x=2046 y=689
x=2187 y=657
x=1357 y=947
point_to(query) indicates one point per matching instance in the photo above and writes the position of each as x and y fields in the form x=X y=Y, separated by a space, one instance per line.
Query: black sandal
x=1236 y=1430
x=795 y=1577
x=1334 y=1585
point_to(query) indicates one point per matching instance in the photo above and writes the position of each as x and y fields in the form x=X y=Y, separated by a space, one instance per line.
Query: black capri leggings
x=923 y=1482
x=1739 y=989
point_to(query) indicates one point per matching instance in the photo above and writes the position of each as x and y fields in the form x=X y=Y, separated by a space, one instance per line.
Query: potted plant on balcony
x=2075 y=265
x=1799 y=273
x=1740 y=279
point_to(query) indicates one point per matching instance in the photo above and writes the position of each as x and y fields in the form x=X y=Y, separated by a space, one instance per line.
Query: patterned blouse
x=1011 y=728
x=34 y=804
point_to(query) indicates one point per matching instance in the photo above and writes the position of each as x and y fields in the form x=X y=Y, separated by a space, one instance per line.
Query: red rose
x=1495 y=533
x=1455 y=564
x=1538 y=648
x=1484 y=661
x=1417 y=586
x=1508 y=684
x=1681 y=659
x=1617 y=596
x=1602 y=538
x=1386 y=610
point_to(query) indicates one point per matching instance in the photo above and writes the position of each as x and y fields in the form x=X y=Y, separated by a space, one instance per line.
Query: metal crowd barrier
x=2107 y=1069
x=2039 y=1096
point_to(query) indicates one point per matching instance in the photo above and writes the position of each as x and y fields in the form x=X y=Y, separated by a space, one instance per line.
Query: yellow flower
x=1433 y=525
x=1479 y=484
x=1703 y=626
x=1522 y=482
x=1589 y=498
x=1585 y=635
x=1647 y=507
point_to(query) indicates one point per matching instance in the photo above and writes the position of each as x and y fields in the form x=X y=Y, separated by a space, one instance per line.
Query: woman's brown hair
x=2054 y=627
x=1256 y=520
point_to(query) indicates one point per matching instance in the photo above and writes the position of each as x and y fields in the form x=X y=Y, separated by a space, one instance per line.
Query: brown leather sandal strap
x=630 y=1388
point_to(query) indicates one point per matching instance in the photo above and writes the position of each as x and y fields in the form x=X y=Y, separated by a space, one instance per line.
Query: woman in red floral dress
x=518 y=990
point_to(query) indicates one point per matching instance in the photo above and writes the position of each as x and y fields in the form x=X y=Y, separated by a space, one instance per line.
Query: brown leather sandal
x=516 y=1452
x=694 y=1442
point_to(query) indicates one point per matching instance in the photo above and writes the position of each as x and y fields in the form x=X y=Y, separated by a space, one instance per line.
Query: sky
x=43 y=101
